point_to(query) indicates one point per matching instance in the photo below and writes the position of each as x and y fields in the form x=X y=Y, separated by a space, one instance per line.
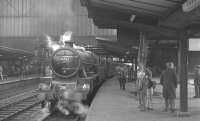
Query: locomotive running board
x=74 y=84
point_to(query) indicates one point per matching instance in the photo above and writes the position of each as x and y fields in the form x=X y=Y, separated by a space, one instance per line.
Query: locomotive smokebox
x=65 y=62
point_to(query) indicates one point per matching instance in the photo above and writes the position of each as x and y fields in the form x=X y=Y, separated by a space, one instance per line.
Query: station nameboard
x=189 y=5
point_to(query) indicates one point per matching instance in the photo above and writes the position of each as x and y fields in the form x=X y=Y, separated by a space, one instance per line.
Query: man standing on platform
x=1 y=72
x=197 y=82
x=121 y=77
x=168 y=80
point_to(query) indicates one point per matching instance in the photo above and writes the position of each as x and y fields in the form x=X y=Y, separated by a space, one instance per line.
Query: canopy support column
x=182 y=73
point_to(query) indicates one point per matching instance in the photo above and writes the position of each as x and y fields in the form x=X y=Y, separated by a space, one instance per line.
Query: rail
x=9 y=111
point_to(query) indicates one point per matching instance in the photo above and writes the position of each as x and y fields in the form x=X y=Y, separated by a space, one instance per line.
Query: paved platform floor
x=14 y=79
x=113 y=104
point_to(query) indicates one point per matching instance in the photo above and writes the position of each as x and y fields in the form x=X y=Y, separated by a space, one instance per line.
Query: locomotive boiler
x=76 y=69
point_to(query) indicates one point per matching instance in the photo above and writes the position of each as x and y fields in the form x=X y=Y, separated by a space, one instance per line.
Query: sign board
x=190 y=5
x=194 y=44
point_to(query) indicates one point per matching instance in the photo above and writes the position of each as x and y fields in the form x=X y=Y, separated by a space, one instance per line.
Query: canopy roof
x=13 y=54
x=162 y=19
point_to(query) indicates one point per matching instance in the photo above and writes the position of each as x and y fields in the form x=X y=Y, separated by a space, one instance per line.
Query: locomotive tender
x=76 y=73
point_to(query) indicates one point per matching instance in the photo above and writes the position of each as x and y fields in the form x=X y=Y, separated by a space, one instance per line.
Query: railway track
x=17 y=98
x=55 y=116
x=60 y=117
x=15 y=106
x=24 y=116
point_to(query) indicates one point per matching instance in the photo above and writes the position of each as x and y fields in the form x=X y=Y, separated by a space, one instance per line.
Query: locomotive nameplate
x=65 y=62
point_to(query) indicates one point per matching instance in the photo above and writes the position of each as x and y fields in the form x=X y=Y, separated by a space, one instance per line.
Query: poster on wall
x=194 y=44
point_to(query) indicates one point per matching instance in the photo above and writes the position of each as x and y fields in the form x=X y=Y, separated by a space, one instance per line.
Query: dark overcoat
x=168 y=80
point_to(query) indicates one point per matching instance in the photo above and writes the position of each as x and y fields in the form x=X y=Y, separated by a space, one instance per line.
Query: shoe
x=195 y=97
x=143 y=109
x=172 y=110
x=150 y=108
x=165 y=110
x=139 y=106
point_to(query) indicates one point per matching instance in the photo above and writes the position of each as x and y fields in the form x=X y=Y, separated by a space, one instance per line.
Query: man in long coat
x=168 y=80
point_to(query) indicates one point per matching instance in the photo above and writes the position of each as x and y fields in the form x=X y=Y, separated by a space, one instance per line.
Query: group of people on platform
x=145 y=86
x=123 y=75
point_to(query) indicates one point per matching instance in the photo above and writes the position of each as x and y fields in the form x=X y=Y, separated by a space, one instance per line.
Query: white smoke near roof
x=51 y=44
x=54 y=45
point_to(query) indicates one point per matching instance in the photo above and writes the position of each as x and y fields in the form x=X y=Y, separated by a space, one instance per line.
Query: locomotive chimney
x=69 y=44
x=66 y=39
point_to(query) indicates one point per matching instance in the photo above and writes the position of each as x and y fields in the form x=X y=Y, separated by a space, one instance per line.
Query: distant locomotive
x=75 y=74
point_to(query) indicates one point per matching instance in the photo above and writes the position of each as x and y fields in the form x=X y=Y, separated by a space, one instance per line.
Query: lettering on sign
x=189 y=5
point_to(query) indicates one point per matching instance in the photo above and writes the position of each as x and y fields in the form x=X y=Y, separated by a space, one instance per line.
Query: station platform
x=18 y=78
x=113 y=104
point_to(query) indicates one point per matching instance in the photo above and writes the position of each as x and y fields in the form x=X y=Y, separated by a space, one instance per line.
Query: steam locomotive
x=75 y=74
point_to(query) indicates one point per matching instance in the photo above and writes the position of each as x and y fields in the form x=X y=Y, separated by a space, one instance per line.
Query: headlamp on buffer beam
x=86 y=86
x=63 y=87
x=44 y=87
x=83 y=85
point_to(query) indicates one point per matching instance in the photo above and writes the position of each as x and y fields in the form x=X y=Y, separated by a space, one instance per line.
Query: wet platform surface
x=113 y=104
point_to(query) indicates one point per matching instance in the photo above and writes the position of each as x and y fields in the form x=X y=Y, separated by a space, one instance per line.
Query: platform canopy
x=14 y=54
x=110 y=48
x=162 y=19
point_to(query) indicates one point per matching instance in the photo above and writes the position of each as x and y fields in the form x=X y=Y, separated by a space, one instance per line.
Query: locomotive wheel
x=46 y=106
x=49 y=106
x=43 y=104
